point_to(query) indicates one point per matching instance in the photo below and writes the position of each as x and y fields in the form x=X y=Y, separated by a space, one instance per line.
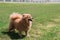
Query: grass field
x=46 y=22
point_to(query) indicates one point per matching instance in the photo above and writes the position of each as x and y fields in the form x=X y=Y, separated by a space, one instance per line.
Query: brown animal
x=20 y=23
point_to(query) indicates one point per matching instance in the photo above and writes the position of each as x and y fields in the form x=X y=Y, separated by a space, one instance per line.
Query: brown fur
x=20 y=22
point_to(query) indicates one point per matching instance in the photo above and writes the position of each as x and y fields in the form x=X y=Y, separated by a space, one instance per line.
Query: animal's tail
x=15 y=16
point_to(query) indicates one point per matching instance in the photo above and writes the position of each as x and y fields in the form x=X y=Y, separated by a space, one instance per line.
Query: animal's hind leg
x=11 y=27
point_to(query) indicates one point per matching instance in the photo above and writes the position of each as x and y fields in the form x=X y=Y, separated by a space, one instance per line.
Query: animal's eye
x=28 y=19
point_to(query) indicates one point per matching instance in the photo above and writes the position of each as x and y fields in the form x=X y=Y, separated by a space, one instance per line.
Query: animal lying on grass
x=20 y=23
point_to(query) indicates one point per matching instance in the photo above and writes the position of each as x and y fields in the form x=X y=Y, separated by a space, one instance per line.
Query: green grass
x=46 y=22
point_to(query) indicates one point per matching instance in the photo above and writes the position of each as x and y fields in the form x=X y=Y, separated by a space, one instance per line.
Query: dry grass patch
x=35 y=33
x=58 y=33
x=51 y=24
x=56 y=20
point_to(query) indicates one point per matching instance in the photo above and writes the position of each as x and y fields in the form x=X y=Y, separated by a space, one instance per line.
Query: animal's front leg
x=27 y=33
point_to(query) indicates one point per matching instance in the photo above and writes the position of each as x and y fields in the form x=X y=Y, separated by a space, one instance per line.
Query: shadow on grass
x=13 y=35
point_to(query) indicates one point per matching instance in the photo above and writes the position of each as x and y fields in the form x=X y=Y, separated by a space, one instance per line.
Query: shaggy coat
x=20 y=22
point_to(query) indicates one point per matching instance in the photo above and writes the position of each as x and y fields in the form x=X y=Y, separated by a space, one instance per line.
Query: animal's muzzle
x=30 y=19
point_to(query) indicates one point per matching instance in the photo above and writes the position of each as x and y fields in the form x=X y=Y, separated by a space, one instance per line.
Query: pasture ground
x=46 y=22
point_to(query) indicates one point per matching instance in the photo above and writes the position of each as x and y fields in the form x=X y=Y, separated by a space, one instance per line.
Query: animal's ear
x=23 y=16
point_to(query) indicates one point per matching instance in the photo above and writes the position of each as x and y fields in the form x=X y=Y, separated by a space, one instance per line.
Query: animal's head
x=27 y=17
